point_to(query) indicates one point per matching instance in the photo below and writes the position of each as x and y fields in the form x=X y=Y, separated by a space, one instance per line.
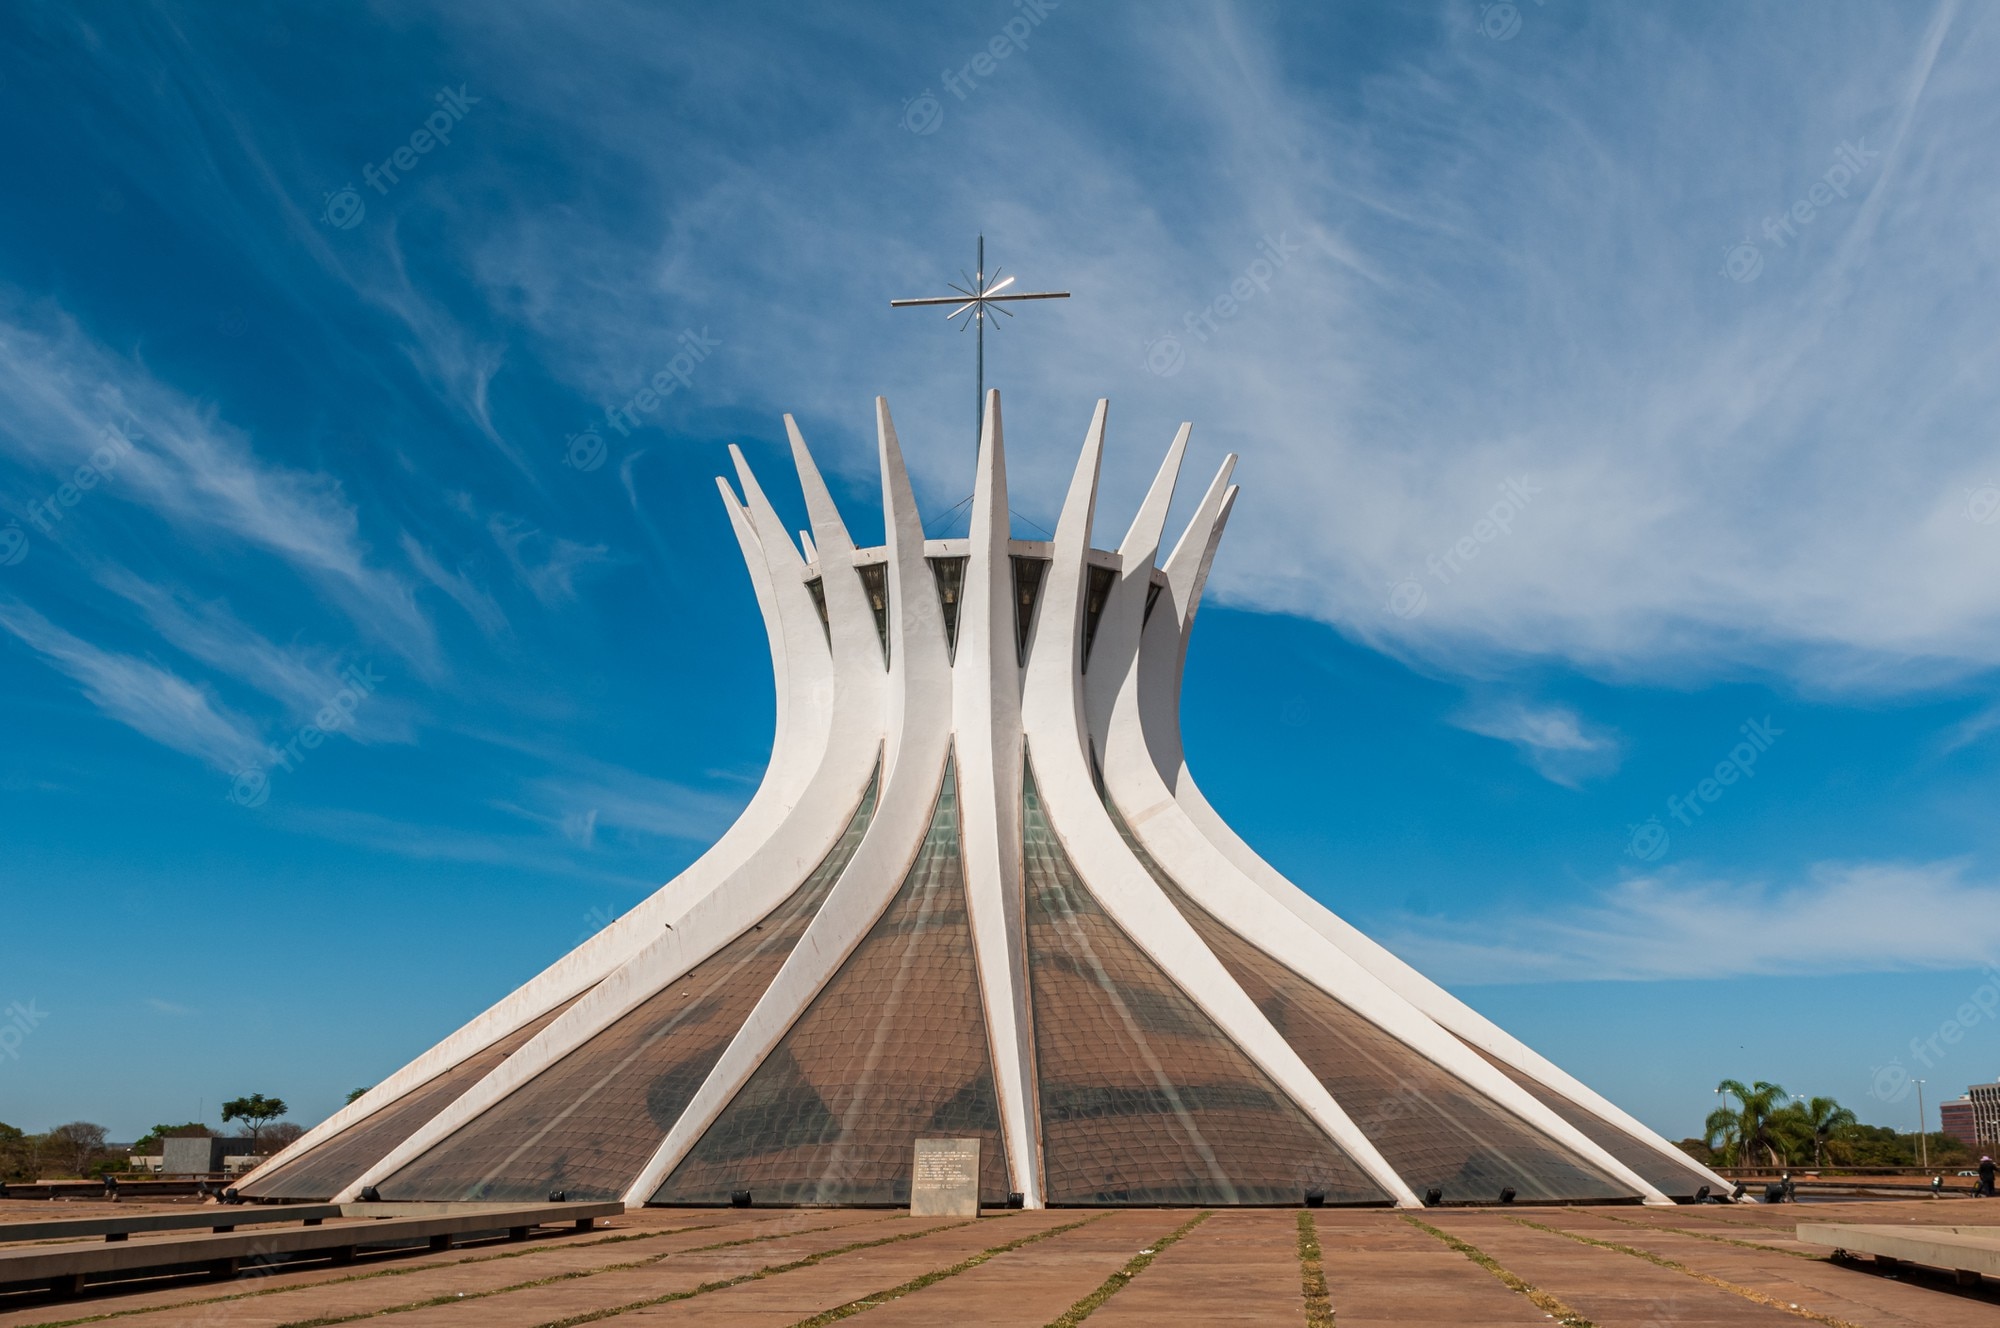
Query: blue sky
x=1698 y=296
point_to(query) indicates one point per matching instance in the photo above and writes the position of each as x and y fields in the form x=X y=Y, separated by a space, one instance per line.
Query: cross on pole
x=972 y=298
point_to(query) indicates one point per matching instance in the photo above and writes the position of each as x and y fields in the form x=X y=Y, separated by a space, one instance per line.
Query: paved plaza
x=1624 y=1266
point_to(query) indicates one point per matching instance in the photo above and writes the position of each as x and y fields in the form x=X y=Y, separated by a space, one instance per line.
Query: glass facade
x=950 y=575
x=1431 y=1127
x=875 y=584
x=1097 y=592
x=892 y=1050
x=331 y=1166
x=1028 y=574
x=589 y=1123
x=1143 y=1099
x=1675 y=1181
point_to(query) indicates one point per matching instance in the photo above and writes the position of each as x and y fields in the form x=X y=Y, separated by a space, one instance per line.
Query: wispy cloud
x=59 y=391
x=141 y=695
x=1561 y=746
x=1676 y=924
x=547 y=565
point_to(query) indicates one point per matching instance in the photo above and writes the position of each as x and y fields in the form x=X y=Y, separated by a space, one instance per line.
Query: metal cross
x=972 y=298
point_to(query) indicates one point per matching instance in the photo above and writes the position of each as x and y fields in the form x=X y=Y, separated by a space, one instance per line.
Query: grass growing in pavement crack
x=400 y=1270
x=1701 y=1235
x=1719 y=1284
x=1542 y=1300
x=1312 y=1275
x=460 y=1297
x=1115 y=1283
x=724 y=1283
x=870 y=1301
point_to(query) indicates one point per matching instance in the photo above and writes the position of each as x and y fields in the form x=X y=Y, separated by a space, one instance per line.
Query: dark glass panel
x=875 y=582
x=1097 y=590
x=1143 y=1099
x=1028 y=574
x=892 y=1050
x=1431 y=1127
x=950 y=574
x=1152 y=597
x=1661 y=1172
x=589 y=1123
x=331 y=1166
x=817 y=589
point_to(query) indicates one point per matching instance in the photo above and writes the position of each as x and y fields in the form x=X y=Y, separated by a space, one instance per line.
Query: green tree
x=256 y=1112
x=1747 y=1129
x=17 y=1153
x=356 y=1096
x=1819 y=1122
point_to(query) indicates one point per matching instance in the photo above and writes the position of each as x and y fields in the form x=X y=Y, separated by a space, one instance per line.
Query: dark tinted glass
x=1666 y=1176
x=893 y=1050
x=328 y=1168
x=589 y=1123
x=1428 y=1125
x=1144 y=1100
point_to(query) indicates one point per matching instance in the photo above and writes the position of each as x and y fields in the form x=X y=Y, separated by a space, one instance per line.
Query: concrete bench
x=1970 y=1253
x=65 y=1269
x=214 y=1218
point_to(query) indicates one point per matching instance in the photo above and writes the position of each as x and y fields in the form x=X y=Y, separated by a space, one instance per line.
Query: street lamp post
x=1923 y=1142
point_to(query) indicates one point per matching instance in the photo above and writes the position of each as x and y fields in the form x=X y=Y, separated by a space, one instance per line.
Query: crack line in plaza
x=1700 y=1235
x=1115 y=1283
x=1312 y=1275
x=770 y=1270
x=1542 y=1300
x=874 y=1298
x=1661 y=1260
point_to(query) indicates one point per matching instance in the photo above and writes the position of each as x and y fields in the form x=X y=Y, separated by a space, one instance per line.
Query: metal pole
x=979 y=390
x=1923 y=1142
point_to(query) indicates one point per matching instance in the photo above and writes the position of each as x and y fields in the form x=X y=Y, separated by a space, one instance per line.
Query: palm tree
x=1750 y=1125
x=1821 y=1118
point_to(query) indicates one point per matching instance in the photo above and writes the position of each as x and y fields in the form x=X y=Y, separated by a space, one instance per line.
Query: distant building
x=1957 y=1120
x=199 y=1156
x=1985 y=1102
